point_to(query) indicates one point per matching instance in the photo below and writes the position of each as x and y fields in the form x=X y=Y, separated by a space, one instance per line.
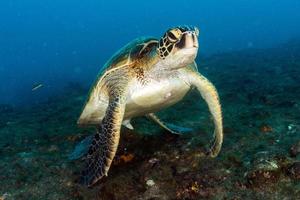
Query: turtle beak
x=188 y=40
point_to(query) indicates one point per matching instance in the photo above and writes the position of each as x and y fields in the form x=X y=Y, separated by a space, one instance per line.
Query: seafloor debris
x=265 y=128
x=260 y=178
x=37 y=86
x=128 y=157
x=154 y=192
x=292 y=129
x=150 y=182
x=35 y=145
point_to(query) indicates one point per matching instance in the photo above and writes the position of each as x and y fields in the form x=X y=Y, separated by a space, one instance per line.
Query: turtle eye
x=174 y=35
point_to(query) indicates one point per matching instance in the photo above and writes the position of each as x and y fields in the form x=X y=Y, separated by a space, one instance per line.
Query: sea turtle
x=143 y=77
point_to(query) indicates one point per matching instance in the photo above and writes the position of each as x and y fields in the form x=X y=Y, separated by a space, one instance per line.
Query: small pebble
x=153 y=160
x=53 y=148
x=265 y=128
x=150 y=182
x=291 y=129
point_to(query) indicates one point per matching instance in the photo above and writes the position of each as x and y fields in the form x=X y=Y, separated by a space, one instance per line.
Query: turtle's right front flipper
x=106 y=140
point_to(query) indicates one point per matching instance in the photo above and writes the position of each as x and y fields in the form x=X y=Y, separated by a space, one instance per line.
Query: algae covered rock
x=265 y=170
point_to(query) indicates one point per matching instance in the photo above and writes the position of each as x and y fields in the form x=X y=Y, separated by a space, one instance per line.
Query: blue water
x=54 y=42
x=249 y=49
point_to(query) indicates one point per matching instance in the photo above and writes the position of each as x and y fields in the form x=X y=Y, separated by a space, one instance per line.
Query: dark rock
x=265 y=100
x=294 y=171
x=295 y=149
x=286 y=104
x=260 y=178
x=228 y=130
x=260 y=114
x=234 y=161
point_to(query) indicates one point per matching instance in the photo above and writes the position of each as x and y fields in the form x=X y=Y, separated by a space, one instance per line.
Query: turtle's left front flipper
x=106 y=140
x=210 y=95
x=174 y=129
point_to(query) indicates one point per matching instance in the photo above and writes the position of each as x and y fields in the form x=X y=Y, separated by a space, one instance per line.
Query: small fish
x=36 y=87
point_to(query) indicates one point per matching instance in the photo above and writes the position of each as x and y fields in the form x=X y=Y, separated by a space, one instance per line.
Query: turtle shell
x=96 y=103
x=132 y=50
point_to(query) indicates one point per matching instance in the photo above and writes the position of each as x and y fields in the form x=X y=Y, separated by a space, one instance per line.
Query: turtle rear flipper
x=81 y=149
x=172 y=128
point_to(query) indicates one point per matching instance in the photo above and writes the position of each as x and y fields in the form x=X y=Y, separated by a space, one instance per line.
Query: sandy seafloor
x=260 y=95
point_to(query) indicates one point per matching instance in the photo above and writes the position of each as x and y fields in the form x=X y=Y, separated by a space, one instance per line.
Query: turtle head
x=179 y=46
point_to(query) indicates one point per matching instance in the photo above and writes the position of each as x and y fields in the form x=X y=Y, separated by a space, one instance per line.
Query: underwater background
x=51 y=52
